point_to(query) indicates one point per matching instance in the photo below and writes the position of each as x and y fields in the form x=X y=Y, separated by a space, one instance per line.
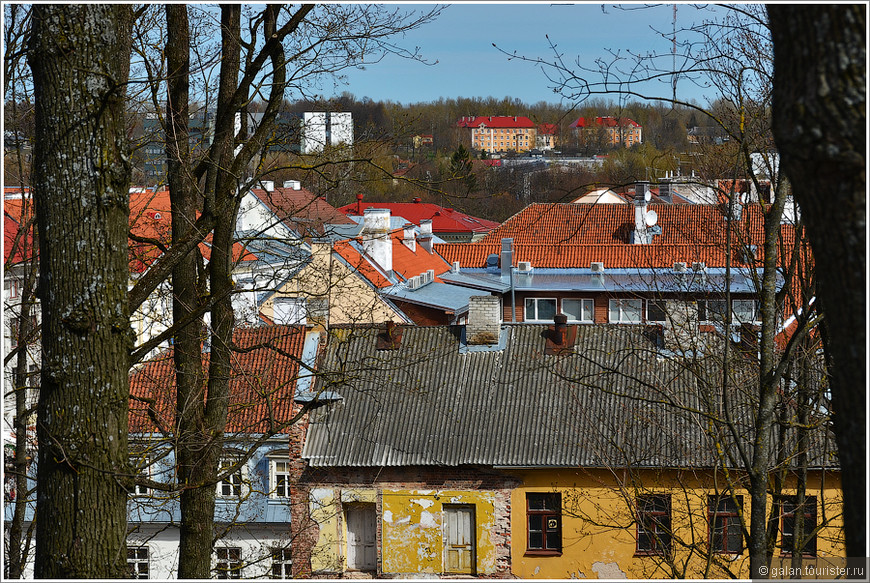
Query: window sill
x=649 y=554
x=541 y=553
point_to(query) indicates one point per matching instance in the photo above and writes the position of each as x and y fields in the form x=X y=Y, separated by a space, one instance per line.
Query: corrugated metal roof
x=615 y=402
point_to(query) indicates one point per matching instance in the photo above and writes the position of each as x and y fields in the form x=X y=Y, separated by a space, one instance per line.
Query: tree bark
x=819 y=125
x=80 y=57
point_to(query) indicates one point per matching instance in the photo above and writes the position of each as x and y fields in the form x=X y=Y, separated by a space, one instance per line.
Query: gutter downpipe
x=513 y=298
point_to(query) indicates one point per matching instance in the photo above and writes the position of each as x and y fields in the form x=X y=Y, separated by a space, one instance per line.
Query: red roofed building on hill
x=620 y=131
x=447 y=223
x=500 y=133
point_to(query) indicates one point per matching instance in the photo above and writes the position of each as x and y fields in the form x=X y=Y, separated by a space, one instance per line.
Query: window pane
x=745 y=310
x=546 y=309
x=655 y=311
x=632 y=310
x=536 y=540
x=578 y=310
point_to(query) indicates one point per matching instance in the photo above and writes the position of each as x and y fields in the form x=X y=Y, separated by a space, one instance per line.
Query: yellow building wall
x=411 y=540
x=351 y=300
x=598 y=527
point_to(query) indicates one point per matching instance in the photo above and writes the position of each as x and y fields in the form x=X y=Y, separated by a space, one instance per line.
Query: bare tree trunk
x=819 y=124
x=80 y=57
x=193 y=451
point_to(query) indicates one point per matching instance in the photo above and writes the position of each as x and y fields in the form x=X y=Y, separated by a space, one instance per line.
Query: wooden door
x=361 y=537
x=459 y=531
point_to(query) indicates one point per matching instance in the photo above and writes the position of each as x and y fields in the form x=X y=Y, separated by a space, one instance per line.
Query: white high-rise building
x=320 y=128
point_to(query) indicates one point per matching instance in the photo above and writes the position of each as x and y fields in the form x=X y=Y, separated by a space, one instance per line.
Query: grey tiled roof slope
x=615 y=402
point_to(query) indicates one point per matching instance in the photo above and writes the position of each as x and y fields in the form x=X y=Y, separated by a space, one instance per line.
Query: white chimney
x=641 y=198
x=425 y=238
x=376 y=237
x=268 y=185
x=409 y=238
x=293 y=184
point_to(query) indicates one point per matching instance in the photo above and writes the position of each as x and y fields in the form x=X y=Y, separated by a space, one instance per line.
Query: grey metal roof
x=612 y=280
x=615 y=402
x=436 y=295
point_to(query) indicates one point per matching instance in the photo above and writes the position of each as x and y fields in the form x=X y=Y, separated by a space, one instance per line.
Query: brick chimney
x=376 y=237
x=484 y=320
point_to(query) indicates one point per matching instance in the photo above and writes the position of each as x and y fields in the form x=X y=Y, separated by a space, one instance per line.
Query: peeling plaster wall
x=410 y=519
x=413 y=530
x=598 y=529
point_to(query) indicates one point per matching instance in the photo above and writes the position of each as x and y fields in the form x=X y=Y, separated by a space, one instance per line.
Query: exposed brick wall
x=496 y=483
x=483 y=320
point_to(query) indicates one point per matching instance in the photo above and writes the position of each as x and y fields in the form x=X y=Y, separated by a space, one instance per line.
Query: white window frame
x=717 y=316
x=138 y=489
x=755 y=310
x=274 y=486
x=233 y=569
x=134 y=563
x=535 y=300
x=234 y=485
x=299 y=313
x=584 y=304
x=616 y=306
x=283 y=559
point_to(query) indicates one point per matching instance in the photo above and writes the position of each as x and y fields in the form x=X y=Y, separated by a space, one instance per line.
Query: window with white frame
x=745 y=311
x=540 y=309
x=142 y=467
x=626 y=311
x=282 y=563
x=229 y=563
x=279 y=477
x=231 y=485
x=711 y=311
x=289 y=310
x=582 y=310
x=138 y=566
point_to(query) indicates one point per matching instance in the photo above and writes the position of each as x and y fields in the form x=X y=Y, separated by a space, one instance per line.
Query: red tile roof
x=614 y=256
x=609 y=122
x=444 y=220
x=549 y=129
x=16 y=248
x=301 y=210
x=406 y=263
x=585 y=224
x=262 y=385
x=150 y=216
x=497 y=121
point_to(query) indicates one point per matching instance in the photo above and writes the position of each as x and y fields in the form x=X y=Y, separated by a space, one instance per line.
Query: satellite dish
x=647 y=195
x=651 y=218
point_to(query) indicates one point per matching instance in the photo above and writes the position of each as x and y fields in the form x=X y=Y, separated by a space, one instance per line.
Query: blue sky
x=468 y=65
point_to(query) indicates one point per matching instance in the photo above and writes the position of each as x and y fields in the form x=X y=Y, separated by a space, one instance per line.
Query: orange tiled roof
x=614 y=256
x=406 y=263
x=571 y=224
x=263 y=382
x=150 y=216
